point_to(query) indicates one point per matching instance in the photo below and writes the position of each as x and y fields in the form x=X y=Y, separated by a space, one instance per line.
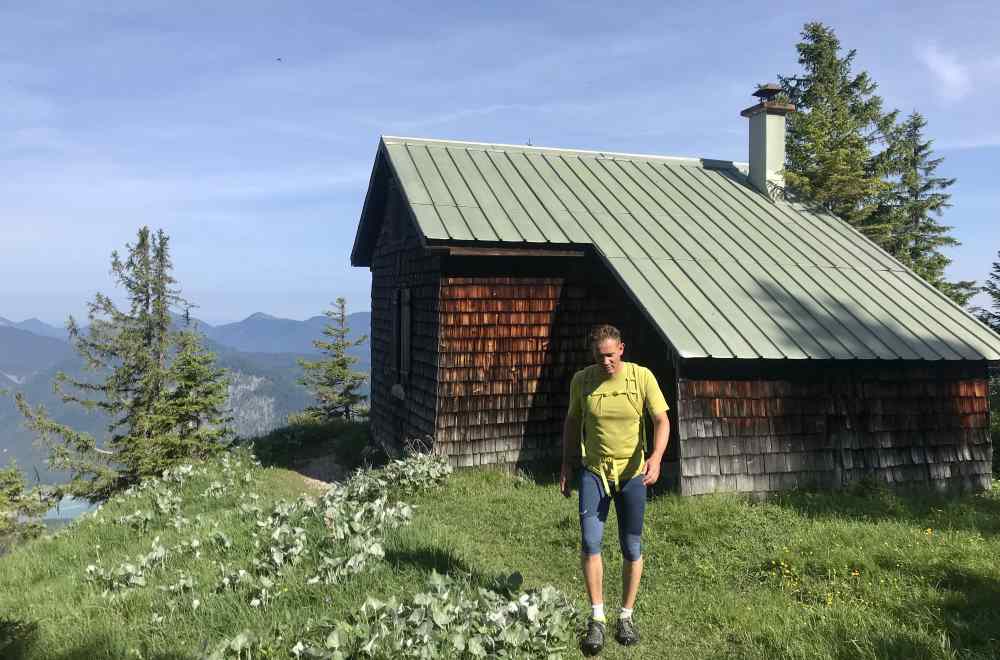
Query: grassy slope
x=927 y=582
x=865 y=575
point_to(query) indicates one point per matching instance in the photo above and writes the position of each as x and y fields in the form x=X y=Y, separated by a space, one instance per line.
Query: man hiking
x=605 y=417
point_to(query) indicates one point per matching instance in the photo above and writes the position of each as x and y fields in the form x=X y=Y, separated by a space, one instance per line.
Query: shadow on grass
x=868 y=502
x=427 y=559
x=546 y=474
x=303 y=441
x=968 y=609
x=105 y=649
x=903 y=644
x=542 y=473
x=18 y=639
x=846 y=642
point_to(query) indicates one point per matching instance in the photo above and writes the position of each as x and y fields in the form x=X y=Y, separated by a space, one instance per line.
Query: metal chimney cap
x=767 y=91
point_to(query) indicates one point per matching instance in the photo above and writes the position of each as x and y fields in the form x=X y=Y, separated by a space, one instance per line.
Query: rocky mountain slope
x=24 y=354
x=260 y=352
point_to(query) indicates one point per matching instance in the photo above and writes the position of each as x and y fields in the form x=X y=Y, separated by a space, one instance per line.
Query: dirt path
x=320 y=472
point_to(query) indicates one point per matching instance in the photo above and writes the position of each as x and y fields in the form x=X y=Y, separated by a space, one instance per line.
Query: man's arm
x=571 y=437
x=661 y=435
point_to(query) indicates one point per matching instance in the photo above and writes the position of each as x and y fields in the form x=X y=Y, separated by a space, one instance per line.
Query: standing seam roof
x=721 y=270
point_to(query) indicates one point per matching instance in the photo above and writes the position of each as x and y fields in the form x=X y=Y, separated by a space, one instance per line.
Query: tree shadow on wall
x=590 y=296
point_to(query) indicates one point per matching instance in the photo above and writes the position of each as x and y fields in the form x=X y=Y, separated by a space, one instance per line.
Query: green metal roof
x=721 y=270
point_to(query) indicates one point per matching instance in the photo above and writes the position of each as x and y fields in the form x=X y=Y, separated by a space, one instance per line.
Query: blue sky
x=181 y=116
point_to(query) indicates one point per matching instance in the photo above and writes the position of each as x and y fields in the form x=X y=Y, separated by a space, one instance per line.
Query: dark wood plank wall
x=495 y=341
x=827 y=426
x=403 y=401
x=513 y=331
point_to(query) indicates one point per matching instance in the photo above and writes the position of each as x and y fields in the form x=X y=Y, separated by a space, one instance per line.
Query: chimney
x=767 y=139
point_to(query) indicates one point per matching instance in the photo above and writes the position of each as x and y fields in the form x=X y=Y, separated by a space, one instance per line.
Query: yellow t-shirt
x=610 y=410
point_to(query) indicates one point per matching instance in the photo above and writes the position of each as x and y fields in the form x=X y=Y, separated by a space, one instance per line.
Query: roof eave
x=361 y=251
x=367 y=235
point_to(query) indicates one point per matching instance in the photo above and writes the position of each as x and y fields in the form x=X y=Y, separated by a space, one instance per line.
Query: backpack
x=635 y=391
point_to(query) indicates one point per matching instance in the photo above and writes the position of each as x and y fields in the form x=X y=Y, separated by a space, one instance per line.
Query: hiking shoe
x=593 y=641
x=626 y=632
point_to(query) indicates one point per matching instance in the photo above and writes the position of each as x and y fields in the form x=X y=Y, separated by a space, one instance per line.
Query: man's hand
x=651 y=473
x=564 y=477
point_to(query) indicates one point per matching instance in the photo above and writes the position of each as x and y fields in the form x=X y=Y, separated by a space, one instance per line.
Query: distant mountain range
x=257 y=333
x=262 y=333
x=24 y=354
x=261 y=353
x=36 y=327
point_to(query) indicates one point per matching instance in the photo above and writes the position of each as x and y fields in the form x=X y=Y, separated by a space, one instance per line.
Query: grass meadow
x=859 y=574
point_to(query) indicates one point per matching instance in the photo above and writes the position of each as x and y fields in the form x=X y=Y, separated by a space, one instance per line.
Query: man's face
x=608 y=354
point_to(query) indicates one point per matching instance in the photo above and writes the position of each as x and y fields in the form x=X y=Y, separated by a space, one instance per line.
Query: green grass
x=865 y=574
x=861 y=575
x=305 y=439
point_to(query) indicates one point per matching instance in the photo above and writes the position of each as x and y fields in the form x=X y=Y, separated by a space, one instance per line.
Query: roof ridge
x=774 y=279
x=712 y=163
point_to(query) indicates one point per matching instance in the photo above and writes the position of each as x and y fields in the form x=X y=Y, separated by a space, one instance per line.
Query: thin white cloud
x=113 y=190
x=969 y=142
x=952 y=75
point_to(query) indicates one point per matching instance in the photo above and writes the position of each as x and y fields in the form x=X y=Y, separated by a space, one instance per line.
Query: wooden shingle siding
x=508 y=348
x=826 y=427
x=789 y=361
x=402 y=269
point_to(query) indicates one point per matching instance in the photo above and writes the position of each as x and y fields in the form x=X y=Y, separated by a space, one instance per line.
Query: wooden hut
x=793 y=351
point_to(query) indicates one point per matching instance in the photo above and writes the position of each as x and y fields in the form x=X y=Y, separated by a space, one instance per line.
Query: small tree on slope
x=190 y=419
x=127 y=353
x=331 y=380
x=21 y=508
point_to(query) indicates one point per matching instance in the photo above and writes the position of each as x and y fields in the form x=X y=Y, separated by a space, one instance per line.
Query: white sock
x=598 y=614
x=626 y=613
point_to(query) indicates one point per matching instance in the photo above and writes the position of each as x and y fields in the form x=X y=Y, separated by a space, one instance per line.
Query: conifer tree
x=189 y=419
x=913 y=205
x=991 y=316
x=127 y=353
x=850 y=158
x=831 y=139
x=21 y=508
x=331 y=380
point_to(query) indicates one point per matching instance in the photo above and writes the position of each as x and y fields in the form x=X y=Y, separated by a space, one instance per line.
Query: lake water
x=68 y=509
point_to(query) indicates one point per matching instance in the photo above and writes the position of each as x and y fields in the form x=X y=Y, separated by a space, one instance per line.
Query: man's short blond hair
x=601 y=332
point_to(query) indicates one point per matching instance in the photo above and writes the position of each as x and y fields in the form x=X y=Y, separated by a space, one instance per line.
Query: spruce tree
x=991 y=316
x=831 y=139
x=21 y=508
x=331 y=380
x=130 y=379
x=189 y=419
x=914 y=203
